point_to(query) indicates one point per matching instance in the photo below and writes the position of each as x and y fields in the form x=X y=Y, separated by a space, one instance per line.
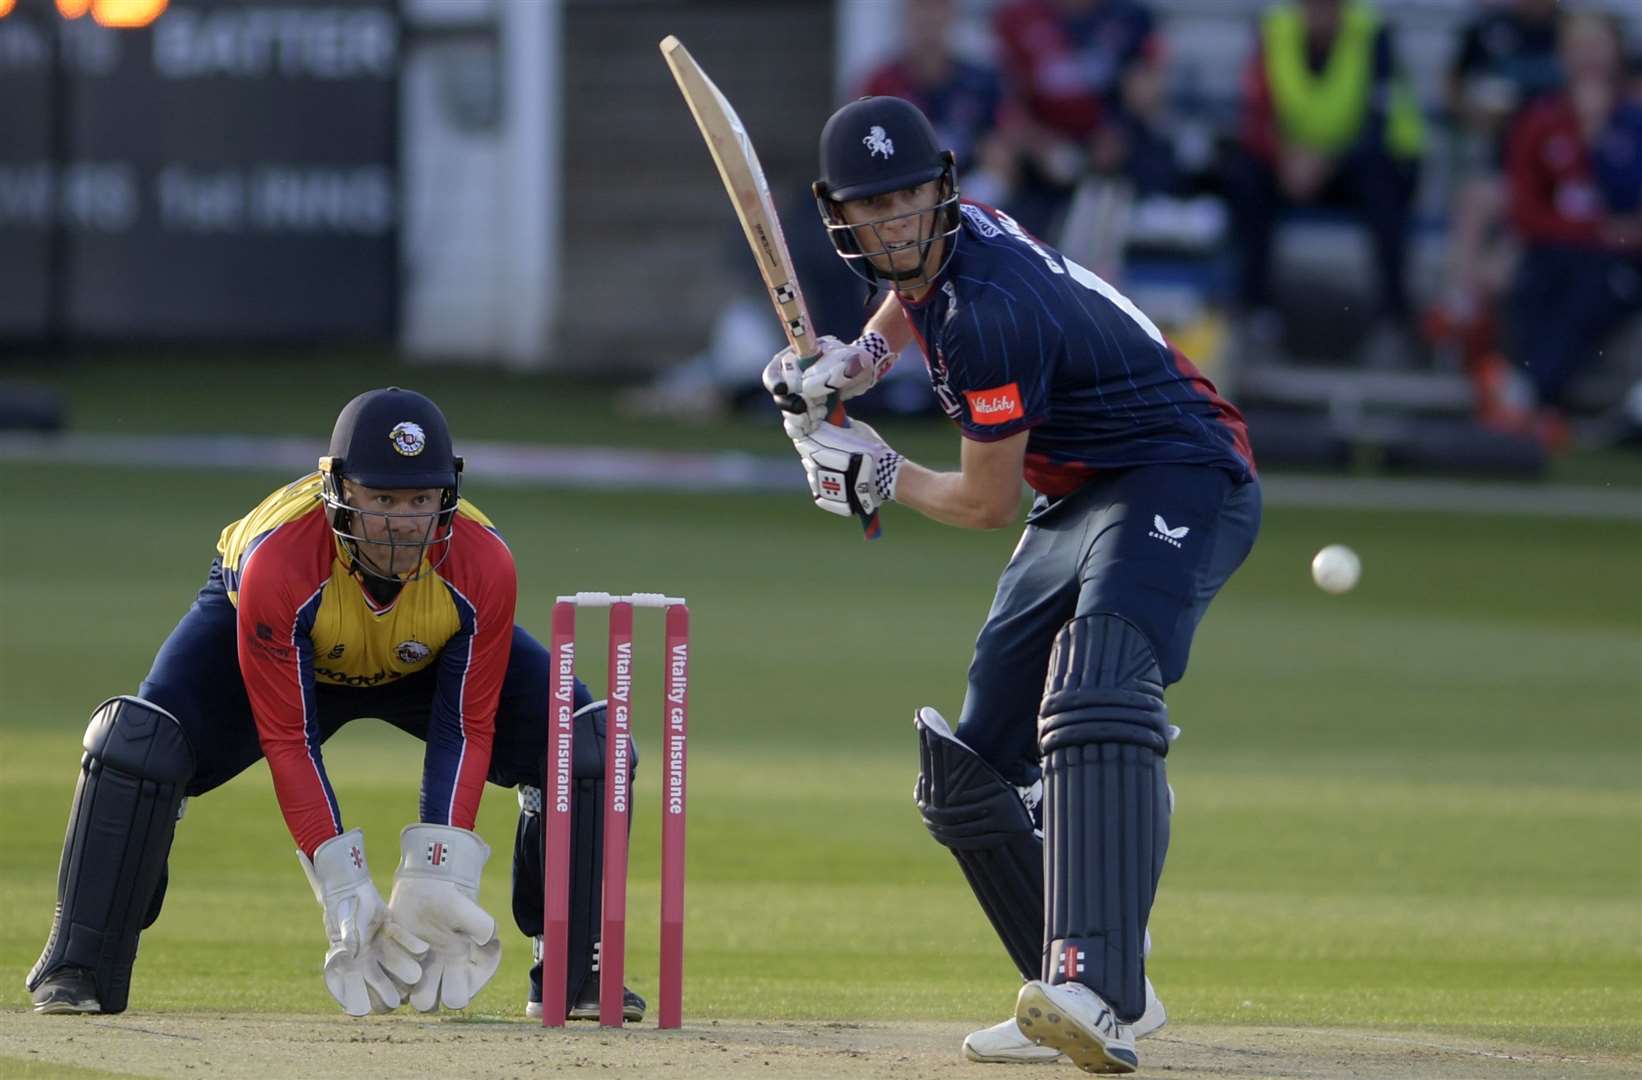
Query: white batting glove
x=372 y=960
x=851 y=470
x=846 y=370
x=436 y=896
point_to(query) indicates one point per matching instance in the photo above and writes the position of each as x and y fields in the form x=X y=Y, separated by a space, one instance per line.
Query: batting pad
x=586 y=850
x=136 y=765
x=978 y=815
x=1103 y=733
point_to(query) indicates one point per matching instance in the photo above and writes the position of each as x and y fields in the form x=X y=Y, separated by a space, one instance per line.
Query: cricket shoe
x=67 y=990
x=587 y=1003
x=1076 y=1021
x=1005 y=1044
x=586 y=1006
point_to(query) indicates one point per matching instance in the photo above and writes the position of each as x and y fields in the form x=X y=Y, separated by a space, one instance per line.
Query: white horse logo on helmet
x=878 y=141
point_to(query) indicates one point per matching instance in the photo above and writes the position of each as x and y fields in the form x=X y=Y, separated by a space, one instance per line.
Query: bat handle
x=871 y=527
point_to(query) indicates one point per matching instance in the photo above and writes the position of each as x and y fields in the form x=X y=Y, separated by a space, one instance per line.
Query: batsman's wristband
x=886 y=475
x=874 y=343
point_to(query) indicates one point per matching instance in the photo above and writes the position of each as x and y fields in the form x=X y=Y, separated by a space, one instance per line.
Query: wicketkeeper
x=1052 y=787
x=367 y=588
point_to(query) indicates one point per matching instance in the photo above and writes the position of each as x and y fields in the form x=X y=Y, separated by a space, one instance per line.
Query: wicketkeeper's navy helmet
x=873 y=146
x=391 y=439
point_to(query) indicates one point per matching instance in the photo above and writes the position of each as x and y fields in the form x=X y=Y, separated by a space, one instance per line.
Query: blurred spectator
x=1574 y=165
x=1507 y=56
x=1085 y=82
x=1330 y=120
x=962 y=99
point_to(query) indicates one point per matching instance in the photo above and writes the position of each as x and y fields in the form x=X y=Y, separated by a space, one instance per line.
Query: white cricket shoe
x=1076 y=1021
x=1152 y=1020
x=1005 y=1044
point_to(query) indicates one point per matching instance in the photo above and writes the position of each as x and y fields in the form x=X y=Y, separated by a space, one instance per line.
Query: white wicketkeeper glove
x=435 y=895
x=846 y=370
x=372 y=960
x=851 y=470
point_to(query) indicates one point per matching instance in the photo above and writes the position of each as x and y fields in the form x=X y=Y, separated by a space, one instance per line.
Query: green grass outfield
x=267 y=392
x=1418 y=806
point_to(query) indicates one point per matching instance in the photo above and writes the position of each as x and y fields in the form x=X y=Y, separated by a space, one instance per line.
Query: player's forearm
x=300 y=787
x=462 y=722
x=949 y=498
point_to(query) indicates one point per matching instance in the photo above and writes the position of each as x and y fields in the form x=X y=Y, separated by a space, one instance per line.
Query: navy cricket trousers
x=1152 y=544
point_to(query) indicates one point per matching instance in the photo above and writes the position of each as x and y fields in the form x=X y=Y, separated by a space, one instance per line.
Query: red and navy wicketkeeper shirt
x=306 y=621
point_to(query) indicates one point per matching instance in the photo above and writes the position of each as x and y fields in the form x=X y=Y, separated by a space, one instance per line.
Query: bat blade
x=744 y=181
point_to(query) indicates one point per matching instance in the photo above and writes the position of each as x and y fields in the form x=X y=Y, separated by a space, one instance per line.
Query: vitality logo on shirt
x=998 y=405
x=1161 y=531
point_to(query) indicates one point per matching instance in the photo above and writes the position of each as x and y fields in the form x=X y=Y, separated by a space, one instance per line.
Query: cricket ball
x=1336 y=569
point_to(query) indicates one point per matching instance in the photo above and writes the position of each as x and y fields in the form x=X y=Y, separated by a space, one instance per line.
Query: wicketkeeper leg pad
x=981 y=818
x=1103 y=733
x=136 y=766
x=586 y=849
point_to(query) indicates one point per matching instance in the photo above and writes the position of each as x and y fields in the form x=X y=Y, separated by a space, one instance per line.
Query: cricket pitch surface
x=258 y=1047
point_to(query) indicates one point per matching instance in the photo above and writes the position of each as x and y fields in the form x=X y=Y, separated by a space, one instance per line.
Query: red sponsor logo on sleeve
x=997 y=405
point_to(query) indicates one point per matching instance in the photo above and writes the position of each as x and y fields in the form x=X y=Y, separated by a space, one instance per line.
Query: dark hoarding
x=225 y=173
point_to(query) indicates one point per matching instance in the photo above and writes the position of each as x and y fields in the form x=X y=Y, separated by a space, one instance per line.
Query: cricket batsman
x=366 y=588
x=1051 y=792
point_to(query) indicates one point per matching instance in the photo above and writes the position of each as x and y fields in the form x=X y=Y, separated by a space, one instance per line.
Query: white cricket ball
x=1336 y=569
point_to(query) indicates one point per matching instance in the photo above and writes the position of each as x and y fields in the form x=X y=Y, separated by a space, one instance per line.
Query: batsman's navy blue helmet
x=874 y=146
x=878 y=144
x=390 y=439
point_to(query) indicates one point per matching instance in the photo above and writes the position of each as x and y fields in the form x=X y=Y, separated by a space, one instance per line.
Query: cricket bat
x=749 y=192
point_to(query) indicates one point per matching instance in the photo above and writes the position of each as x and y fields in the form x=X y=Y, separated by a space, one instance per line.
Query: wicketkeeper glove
x=846 y=370
x=851 y=470
x=371 y=960
x=436 y=896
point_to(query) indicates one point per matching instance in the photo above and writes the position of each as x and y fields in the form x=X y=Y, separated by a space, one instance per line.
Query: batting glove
x=371 y=960
x=436 y=896
x=845 y=370
x=851 y=470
